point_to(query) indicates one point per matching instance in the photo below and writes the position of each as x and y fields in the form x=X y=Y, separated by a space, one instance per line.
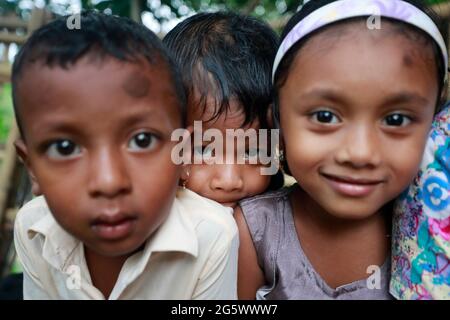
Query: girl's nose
x=360 y=148
x=227 y=178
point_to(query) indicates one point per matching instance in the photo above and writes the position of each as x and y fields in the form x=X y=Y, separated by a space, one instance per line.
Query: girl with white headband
x=357 y=85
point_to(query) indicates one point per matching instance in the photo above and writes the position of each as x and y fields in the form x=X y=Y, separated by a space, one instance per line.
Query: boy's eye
x=142 y=141
x=61 y=149
x=324 y=116
x=397 y=120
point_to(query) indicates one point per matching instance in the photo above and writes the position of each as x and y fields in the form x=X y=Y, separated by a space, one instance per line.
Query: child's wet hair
x=100 y=36
x=227 y=56
x=401 y=27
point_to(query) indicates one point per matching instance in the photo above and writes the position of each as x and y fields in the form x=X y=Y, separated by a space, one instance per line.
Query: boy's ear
x=22 y=152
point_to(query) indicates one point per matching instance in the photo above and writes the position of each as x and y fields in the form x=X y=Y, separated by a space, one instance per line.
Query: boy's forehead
x=134 y=79
x=101 y=85
x=137 y=84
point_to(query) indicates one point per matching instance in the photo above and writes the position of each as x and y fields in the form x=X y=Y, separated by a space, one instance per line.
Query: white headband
x=346 y=9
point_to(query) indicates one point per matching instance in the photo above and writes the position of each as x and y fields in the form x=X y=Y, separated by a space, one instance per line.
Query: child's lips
x=352 y=187
x=113 y=227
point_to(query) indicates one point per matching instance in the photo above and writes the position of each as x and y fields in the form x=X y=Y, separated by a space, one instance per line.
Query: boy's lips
x=113 y=227
x=352 y=186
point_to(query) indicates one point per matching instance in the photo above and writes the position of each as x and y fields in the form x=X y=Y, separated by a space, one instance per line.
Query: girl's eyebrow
x=406 y=97
x=396 y=98
x=325 y=93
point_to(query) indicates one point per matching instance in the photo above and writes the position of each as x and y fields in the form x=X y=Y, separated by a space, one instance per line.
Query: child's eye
x=324 y=116
x=252 y=154
x=204 y=151
x=63 y=149
x=142 y=141
x=397 y=120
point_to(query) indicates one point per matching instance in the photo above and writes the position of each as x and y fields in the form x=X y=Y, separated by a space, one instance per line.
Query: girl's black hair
x=311 y=6
x=227 y=56
x=55 y=44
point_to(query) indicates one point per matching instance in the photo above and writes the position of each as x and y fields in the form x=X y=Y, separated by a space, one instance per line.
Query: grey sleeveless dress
x=288 y=273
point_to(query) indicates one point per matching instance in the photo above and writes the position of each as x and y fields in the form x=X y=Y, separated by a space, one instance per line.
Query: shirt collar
x=176 y=233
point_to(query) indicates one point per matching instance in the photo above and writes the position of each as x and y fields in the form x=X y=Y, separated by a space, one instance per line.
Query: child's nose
x=108 y=175
x=227 y=178
x=360 y=148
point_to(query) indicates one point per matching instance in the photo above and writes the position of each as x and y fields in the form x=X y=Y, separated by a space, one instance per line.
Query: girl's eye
x=204 y=151
x=142 y=141
x=324 y=116
x=63 y=149
x=252 y=154
x=397 y=120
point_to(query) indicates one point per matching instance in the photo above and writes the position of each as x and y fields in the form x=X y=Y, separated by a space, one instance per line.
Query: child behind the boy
x=226 y=60
x=96 y=107
x=355 y=101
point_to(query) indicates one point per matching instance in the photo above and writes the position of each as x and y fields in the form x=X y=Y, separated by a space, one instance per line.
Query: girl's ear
x=185 y=172
x=22 y=152
x=444 y=94
x=273 y=125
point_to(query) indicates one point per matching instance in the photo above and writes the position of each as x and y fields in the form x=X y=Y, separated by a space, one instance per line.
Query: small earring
x=185 y=181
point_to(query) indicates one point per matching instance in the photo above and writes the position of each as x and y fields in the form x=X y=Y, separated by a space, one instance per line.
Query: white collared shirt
x=193 y=255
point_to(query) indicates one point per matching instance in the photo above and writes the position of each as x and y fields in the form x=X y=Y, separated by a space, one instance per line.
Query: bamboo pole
x=135 y=12
x=442 y=9
x=8 y=165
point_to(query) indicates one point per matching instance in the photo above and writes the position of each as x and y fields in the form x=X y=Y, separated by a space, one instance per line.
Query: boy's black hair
x=227 y=56
x=100 y=35
x=283 y=69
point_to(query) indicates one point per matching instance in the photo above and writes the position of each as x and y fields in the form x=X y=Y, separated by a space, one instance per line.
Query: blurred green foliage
x=266 y=9
x=6 y=112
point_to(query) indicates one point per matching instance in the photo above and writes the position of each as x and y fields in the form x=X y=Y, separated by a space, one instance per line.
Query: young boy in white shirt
x=96 y=108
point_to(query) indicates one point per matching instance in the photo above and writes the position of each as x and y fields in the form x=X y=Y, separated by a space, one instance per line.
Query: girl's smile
x=353 y=123
x=357 y=187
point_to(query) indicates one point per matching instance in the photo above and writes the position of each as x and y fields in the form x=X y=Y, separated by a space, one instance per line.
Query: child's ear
x=271 y=123
x=187 y=137
x=185 y=172
x=22 y=152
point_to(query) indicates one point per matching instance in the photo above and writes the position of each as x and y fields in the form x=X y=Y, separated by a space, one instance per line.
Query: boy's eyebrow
x=50 y=126
x=72 y=126
x=151 y=112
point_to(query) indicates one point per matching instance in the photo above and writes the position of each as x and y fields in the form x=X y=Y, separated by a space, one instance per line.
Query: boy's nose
x=227 y=178
x=360 y=148
x=108 y=175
